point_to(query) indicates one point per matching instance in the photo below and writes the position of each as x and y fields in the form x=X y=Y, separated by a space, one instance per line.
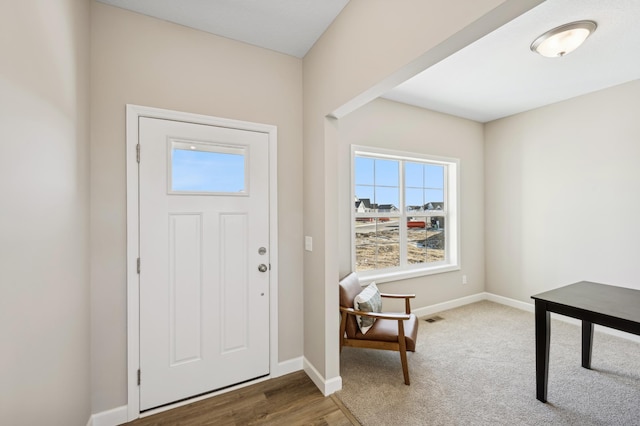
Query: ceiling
x=286 y=26
x=499 y=75
x=494 y=77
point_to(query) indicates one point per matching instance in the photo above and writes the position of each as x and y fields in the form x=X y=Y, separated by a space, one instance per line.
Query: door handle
x=262 y=267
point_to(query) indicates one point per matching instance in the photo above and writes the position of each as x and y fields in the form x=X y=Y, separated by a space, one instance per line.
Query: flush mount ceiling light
x=564 y=39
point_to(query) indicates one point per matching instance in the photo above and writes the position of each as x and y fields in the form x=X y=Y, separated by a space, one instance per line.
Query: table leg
x=543 y=331
x=587 y=343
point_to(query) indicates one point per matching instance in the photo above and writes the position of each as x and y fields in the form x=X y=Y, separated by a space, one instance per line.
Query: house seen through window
x=404 y=217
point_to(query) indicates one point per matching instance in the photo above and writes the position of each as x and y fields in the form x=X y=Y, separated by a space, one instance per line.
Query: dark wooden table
x=593 y=303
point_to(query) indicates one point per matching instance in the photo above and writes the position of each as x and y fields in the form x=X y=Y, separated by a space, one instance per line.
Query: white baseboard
x=113 y=417
x=456 y=303
x=530 y=307
x=118 y=415
x=290 y=366
x=509 y=302
x=332 y=386
x=327 y=387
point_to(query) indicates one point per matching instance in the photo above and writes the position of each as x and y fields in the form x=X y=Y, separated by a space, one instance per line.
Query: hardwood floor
x=288 y=400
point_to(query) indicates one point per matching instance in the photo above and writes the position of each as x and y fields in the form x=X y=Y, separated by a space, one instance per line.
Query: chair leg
x=403 y=352
x=343 y=328
x=405 y=366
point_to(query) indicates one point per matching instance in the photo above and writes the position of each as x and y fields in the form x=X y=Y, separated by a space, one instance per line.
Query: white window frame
x=452 y=218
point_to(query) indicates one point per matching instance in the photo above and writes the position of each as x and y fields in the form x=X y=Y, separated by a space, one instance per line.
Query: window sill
x=366 y=277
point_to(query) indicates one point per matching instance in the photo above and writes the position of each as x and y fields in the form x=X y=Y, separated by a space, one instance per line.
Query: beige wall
x=370 y=43
x=44 y=116
x=44 y=278
x=561 y=195
x=387 y=124
x=145 y=61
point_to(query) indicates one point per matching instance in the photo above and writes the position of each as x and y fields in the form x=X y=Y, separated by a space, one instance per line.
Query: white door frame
x=133 y=113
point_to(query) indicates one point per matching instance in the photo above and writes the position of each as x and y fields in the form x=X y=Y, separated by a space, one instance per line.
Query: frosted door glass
x=207 y=168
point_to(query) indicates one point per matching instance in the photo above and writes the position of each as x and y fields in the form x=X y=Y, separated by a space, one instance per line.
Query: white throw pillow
x=368 y=300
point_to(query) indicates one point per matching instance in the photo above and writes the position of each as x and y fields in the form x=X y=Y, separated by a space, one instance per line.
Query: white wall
x=44 y=278
x=146 y=61
x=561 y=195
x=387 y=124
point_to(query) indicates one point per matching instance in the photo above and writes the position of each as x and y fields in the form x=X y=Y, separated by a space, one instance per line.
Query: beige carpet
x=476 y=366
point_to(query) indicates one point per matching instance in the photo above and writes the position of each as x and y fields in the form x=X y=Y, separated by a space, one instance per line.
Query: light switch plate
x=308 y=243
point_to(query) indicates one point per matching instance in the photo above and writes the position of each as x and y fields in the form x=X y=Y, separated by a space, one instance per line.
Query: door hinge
x=138 y=153
x=269 y=266
x=138 y=377
x=138 y=265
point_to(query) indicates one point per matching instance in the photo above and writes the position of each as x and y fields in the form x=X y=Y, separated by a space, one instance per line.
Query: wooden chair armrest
x=382 y=315
x=407 y=299
x=398 y=296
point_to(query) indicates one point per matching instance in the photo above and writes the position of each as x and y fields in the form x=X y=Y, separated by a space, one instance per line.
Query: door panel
x=185 y=288
x=234 y=325
x=204 y=305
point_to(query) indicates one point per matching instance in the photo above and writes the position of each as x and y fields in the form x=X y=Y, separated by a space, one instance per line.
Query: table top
x=618 y=302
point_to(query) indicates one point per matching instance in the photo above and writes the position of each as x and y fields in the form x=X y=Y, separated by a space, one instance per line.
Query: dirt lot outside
x=378 y=245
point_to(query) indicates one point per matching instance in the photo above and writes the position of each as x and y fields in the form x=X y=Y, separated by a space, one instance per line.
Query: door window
x=207 y=168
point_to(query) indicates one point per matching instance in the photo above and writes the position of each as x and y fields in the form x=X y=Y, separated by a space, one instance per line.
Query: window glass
x=386 y=173
x=377 y=181
x=433 y=199
x=364 y=171
x=401 y=208
x=207 y=168
x=425 y=240
x=434 y=176
x=377 y=243
x=414 y=175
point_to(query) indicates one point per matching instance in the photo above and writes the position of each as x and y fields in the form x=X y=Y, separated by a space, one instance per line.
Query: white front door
x=204 y=258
